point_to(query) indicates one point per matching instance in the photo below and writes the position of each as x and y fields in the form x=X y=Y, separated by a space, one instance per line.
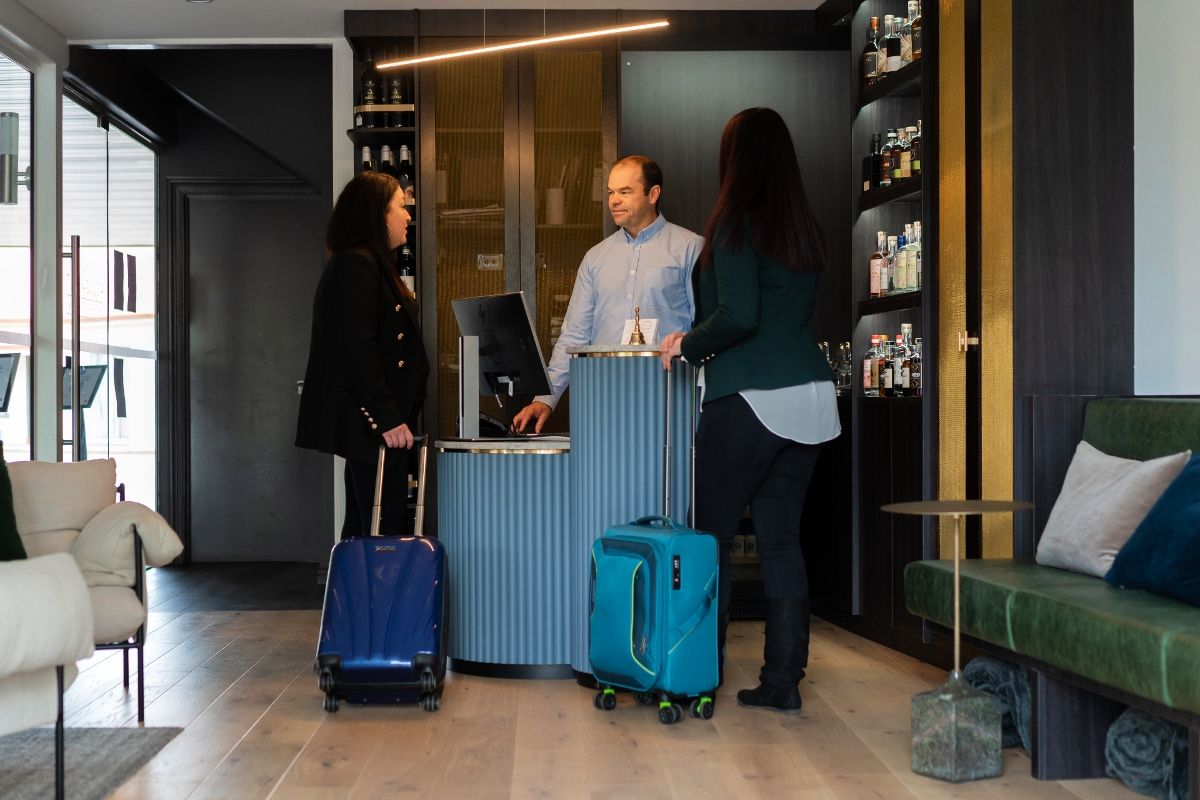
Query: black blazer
x=367 y=369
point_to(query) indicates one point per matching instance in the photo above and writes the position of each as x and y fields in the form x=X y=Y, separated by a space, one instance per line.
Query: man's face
x=630 y=206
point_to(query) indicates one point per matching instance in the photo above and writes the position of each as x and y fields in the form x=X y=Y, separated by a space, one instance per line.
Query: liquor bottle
x=885 y=31
x=905 y=154
x=885 y=160
x=916 y=34
x=871 y=369
x=916 y=256
x=404 y=173
x=367 y=161
x=395 y=96
x=909 y=270
x=904 y=361
x=897 y=357
x=370 y=89
x=914 y=136
x=889 y=286
x=906 y=39
x=915 y=377
x=387 y=164
x=886 y=386
x=895 y=157
x=870 y=165
x=909 y=33
x=870 y=56
x=407 y=265
x=893 y=46
x=900 y=278
x=878 y=264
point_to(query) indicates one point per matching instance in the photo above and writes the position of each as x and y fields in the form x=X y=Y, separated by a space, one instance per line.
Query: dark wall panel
x=674 y=106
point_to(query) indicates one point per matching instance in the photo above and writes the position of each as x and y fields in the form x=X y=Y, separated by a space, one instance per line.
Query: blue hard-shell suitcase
x=653 y=625
x=383 y=627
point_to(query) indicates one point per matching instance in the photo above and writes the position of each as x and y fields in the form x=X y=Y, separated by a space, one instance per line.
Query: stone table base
x=956 y=733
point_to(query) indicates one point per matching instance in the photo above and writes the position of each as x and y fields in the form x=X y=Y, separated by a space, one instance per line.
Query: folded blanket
x=1009 y=684
x=1148 y=754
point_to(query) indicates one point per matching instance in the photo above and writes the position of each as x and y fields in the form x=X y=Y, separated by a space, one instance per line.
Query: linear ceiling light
x=492 y=48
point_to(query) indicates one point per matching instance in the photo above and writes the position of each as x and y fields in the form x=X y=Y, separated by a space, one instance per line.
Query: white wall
x=1166 y=199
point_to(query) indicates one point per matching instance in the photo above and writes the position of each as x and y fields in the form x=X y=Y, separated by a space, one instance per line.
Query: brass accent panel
x=996 y=279
x=951 y=261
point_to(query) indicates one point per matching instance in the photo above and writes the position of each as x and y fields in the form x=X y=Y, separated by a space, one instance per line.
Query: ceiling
x=151 y=21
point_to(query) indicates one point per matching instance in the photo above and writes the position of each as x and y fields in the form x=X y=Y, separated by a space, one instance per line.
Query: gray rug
x=98 y=760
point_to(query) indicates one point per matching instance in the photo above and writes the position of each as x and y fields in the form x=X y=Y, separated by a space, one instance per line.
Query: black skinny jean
x=739 y=462
x=360 y=497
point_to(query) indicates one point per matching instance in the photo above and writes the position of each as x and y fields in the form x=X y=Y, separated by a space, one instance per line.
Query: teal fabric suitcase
x=654 y=616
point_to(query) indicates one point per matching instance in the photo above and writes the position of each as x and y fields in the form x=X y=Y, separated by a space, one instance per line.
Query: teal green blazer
x=753 y=325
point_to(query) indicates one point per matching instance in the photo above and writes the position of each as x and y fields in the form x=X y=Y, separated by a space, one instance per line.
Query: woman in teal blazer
x=769 y=399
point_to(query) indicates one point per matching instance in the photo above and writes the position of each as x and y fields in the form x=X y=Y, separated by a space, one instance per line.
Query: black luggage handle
x=377 y=507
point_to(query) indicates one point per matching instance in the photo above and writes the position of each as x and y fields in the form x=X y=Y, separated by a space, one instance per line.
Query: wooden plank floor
x=240 y=684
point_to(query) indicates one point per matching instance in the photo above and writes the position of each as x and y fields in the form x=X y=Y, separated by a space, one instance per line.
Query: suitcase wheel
x=428 y=682
x=606 y=699
x=702 y=707
x=331 y=702
x=669 y=713
x=325 y=681
x=429 y=701
x=644 y=698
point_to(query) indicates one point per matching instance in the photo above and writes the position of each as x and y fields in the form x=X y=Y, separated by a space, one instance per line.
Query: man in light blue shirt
x=646 y=265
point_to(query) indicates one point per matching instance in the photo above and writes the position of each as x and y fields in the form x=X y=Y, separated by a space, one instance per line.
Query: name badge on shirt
x=649 y=330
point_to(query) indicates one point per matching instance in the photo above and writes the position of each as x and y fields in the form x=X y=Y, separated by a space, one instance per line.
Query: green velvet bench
x=1093 y=649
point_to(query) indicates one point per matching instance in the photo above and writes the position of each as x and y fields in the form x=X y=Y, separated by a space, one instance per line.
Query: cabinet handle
x=966 y=341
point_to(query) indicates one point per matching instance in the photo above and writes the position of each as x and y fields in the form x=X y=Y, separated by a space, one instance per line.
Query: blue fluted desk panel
x=617 y=459
x=503 y=520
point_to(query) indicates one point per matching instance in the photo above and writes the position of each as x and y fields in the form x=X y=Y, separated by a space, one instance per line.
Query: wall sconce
x=9 y=175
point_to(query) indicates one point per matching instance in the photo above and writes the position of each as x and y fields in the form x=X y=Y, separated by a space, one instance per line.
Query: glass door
x=16 y=297
x=108 y=227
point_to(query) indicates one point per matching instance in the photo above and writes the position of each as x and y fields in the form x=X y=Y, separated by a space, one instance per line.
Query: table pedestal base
x=956 y=733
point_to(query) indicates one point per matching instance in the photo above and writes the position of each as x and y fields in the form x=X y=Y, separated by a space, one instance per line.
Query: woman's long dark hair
x=359 y=218
x=760 y=185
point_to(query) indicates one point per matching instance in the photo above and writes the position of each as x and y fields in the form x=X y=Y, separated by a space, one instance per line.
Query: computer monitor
x=90 y=377
x=510 y=360
x=8 y=378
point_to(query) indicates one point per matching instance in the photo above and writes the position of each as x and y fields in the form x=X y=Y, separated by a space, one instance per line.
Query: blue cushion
x=1163 y=555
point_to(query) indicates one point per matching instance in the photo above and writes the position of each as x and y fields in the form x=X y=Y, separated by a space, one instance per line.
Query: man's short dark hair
x=651 y=173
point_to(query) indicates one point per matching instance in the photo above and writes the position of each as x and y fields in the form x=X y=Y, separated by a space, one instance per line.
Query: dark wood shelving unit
x=905 y=82
x=893 y=302
x=908 y=189
x=377 y=137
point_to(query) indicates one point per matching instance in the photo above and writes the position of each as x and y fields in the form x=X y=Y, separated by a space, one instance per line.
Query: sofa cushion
x=1163 y=555
x=30 y=699
x=46 y=542
x=1131 y=640
x=1143 y=427
x=10 y=541
x=117 y=611
x=49 y=619
x=57 y=496
x=1103 y=499
x=104 y=548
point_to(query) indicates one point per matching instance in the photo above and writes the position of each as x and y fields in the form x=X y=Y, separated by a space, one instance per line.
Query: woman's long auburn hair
x=760 y=184
x=359 y=218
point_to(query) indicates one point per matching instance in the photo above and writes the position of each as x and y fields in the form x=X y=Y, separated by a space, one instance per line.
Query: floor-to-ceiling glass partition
x=16 y=86
x=108 y=202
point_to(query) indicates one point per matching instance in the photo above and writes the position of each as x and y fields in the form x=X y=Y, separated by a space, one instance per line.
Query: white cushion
x=118 y=613
x=47 y=617
x=1103 y=499
x=56 y=496
x=29 y=699
x=47 y=542
x=104 y=548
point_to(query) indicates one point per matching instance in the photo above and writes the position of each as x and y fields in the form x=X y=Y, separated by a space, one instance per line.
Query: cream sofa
x=72 y=508
x=45 y=627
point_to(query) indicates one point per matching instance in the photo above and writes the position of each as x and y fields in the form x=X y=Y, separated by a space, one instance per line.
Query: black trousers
x=740 y=463
x=360 y=497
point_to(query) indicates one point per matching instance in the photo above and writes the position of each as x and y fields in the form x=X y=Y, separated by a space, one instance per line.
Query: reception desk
x=616 y=469
x=503 y=518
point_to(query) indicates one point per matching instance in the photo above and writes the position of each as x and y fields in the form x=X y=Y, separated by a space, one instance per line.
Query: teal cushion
x=11 y=548
x=1163 y=555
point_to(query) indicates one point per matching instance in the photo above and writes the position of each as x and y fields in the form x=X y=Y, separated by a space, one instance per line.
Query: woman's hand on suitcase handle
x=400 y=436
x=670 y=348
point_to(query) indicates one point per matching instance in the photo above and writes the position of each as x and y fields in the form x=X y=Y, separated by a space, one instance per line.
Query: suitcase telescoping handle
x=666 y=465
x=377 y=506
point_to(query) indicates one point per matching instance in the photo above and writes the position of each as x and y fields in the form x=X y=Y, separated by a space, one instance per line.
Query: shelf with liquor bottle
x=894 y=173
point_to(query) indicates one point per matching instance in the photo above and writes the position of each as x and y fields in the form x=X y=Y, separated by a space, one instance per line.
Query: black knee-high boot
x=785 y=653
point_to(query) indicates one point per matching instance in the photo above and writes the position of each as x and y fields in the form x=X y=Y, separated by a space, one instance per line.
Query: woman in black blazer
x=367 y=369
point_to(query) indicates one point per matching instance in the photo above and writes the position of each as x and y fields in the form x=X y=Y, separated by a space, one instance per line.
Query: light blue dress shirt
x=651 y=271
